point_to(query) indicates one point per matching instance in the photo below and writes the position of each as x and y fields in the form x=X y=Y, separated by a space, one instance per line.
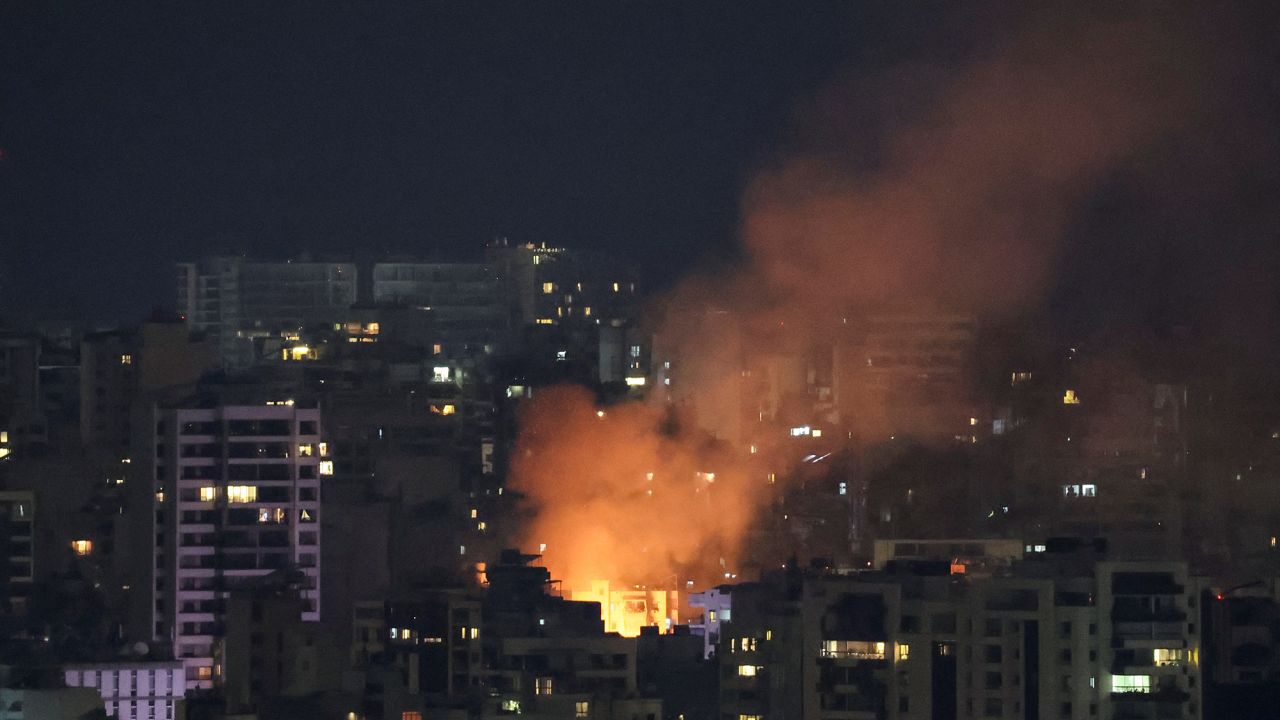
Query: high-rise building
x=120 y=366
x=17 y=551
x=907 y=375
x=235 y=300
x=453 y=309
x=235 y=491
x=21 y=417
x=1072 y=638
x=553 y=286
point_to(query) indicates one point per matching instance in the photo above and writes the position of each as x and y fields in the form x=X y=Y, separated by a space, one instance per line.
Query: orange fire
x=617 y=496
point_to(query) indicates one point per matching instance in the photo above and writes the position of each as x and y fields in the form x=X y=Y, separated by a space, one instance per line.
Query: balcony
x=1146 y=614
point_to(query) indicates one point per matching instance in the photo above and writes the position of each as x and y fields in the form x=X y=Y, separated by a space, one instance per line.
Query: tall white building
x=236 y=497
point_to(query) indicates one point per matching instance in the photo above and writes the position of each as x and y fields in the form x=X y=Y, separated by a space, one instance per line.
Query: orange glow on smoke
x=617 y=499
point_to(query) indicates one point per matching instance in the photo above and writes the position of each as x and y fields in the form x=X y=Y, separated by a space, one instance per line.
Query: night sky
x=135 y=136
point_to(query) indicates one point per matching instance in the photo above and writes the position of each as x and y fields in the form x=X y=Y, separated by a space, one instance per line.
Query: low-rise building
x=145 y=690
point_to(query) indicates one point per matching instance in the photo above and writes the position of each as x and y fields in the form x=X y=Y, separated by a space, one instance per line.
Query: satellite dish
x=140 y=648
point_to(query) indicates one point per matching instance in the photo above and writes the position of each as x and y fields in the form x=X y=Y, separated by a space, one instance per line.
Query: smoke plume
x=923 y=188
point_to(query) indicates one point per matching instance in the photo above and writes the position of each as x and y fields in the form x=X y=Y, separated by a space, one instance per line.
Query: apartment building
x=17 y=550
x=235 y=491
x=1054 y=639
x=144 y=690
x=234 y=300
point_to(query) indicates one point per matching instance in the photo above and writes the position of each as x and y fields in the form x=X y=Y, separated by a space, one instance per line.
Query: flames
x=622 y=494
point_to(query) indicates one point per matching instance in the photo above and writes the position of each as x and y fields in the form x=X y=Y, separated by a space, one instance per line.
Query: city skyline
x=121 y=181
x=640 y=362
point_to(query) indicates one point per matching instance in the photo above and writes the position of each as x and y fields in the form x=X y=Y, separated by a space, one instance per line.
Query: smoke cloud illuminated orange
x=958 y=208
x=618 y=498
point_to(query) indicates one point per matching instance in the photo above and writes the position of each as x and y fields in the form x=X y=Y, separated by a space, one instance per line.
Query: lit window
x=474 y=513
x=326 y=467
x=548 y=288
x=444 y=409
x=859 y=649
x=1131 y=683
x=474 y=632
x=904 y=652
x=462 y=549
x=372 y=328
x=159 y=496
x=298 y=352
x=242 y=493
x=272 y=515
x=1088 y=490
x=204 y=673
x=545 y=321
x=768 y=634
x=635 y=381
x=582 y=709
x=208 y=493
x=750 y=717
x=436 y=349
x=306 y=516
x=1069 y=398
x=482 y=526
x=410 y=715
x=616 y=287
x=1161 y=657
x=711 y=615
x=440 y=373
x=844 y=488
x=747 y=670
x=800 y=431
x=324 y=449
x=126 y=359
x=82 y=547
x=542 y=686
x=587 y=311
x=513 y=706
x=305 y=450
x=816 y=432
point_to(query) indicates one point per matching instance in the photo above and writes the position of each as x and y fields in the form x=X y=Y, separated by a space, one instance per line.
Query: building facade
x=133 y=690
x=236 y=496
